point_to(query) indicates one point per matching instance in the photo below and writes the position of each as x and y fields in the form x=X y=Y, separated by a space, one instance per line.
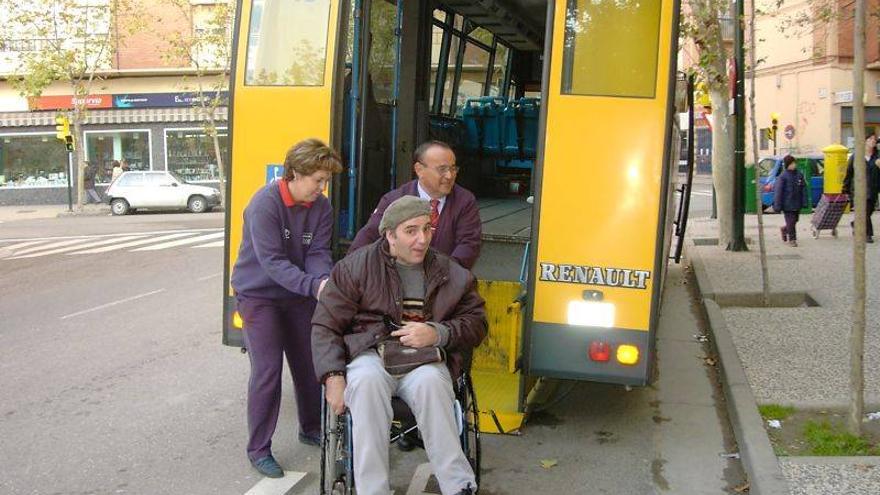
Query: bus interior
x=462 y=72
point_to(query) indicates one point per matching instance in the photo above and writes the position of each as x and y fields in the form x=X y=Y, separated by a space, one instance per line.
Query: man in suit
x=455 y=218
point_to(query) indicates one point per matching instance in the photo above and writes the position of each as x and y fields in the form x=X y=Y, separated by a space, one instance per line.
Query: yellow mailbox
x=835 y=168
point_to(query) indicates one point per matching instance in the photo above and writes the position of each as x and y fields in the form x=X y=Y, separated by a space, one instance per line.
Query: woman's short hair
x=788 y=160
x=309 y=156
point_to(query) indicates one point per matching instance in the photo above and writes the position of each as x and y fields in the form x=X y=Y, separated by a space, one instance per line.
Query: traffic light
x=62 y=128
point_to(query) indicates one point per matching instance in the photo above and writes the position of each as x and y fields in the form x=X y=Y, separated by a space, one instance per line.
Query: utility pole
x=738 y=241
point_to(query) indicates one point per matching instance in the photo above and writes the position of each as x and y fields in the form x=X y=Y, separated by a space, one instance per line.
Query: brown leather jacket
x=365 y=286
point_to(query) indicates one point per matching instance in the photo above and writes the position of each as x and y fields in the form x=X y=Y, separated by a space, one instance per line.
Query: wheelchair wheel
x=470 y=434
x=336 y=473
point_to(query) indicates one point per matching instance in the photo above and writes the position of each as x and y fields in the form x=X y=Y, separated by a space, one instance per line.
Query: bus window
x=499 y=70
x=449 y=81
x=629 y=34
x=287 y=43
x=474 y=69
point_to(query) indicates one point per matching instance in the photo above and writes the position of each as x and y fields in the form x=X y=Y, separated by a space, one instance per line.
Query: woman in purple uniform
x=283 y=263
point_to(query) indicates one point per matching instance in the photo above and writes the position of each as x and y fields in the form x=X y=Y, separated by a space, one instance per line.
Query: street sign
x=789 y=132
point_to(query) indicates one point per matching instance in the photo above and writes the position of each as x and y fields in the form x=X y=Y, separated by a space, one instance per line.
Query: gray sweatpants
x=428 y=392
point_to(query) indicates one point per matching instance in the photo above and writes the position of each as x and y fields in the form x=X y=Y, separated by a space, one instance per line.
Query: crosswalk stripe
x=211 y=244
x=140 y=242
x=182 y=242
x=277 y=486
x=77 y=247
x=20 y=245
x=149 y=232
x=53 y=245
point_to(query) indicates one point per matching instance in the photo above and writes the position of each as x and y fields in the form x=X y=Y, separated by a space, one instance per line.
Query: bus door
x=283 y=70
x=600 y=219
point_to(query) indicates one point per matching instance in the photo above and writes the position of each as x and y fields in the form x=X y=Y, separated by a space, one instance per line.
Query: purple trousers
x=274 y=328
x=791 y=219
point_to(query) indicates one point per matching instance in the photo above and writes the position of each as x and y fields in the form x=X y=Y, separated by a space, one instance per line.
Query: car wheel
x=119 y=206
x=197 y=204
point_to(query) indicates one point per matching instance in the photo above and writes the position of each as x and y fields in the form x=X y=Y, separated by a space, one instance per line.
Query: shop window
x=287 y=43
x=611 y=48
x=32 y=161
x=130 y=148
x=190 y=154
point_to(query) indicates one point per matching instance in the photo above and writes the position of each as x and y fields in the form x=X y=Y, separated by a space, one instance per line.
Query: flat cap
x=403 y=209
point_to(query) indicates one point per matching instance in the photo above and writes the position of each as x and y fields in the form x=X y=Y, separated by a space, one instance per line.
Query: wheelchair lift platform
x=495 y=372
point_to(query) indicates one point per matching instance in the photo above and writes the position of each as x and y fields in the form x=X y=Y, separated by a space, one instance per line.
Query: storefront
x=33 y=163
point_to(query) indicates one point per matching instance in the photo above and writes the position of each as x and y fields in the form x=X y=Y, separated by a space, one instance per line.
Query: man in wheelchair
x=439 y=317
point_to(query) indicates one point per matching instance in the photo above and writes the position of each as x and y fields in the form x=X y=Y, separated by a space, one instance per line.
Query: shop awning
x=133 y=116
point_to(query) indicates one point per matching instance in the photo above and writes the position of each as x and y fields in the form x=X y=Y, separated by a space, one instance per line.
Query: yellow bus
x=561 y=115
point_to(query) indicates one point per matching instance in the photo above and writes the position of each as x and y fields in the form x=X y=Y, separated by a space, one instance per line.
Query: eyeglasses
x=442 y=169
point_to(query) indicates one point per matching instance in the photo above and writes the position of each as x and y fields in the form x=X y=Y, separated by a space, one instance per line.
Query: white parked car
x=158 y=190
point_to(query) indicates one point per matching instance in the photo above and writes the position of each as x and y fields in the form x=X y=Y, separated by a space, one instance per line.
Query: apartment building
x=143 y=108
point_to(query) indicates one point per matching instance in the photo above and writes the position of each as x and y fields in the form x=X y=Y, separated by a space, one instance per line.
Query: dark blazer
x=872 y=176
x=458 y=235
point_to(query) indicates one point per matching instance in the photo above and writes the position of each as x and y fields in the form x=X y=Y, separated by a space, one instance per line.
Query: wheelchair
x=337 y=466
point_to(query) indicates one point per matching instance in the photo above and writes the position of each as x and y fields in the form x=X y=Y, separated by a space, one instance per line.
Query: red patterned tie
x=435 y=213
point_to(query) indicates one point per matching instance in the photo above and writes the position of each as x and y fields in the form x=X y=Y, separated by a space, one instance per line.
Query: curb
x=756 y=452
x=86 y=211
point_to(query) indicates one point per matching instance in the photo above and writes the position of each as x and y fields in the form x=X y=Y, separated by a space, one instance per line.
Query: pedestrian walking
x=89 y=172
x=117 y=170
x=283 y=263
x=790 y=195
x=872 y=178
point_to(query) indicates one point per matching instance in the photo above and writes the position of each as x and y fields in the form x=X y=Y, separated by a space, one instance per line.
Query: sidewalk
x=796 y=356
x=33 y=212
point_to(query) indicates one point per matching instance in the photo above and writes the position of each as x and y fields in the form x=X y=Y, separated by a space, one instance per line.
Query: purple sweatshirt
x=458 y=235
x=285 y=246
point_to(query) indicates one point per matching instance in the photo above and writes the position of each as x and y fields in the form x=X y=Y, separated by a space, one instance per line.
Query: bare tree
x=702 y=26
x=759 y=204
x=857 y=337
x=207 y=48
x=73 y=41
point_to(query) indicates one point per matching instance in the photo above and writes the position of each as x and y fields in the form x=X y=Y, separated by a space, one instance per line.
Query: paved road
x=114 y=381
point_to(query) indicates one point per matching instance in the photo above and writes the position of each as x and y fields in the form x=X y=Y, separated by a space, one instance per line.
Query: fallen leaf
x=548 y=463
x=742 y=488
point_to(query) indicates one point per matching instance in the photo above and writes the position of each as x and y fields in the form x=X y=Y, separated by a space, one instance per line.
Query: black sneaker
x=268 y=467
x=870 y=240
x=467 y=491
x=310 y=439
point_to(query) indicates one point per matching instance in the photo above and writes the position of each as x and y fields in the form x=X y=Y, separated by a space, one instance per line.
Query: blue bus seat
x=483 y=124
x=521 y=128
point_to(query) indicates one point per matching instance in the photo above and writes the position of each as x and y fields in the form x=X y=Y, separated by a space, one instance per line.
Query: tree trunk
x=78 y=160
x=857 y=337
x=722 y=163
x=220 y=166
x=759 y=206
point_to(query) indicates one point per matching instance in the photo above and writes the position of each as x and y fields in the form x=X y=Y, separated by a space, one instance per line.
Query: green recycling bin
x=750 y=189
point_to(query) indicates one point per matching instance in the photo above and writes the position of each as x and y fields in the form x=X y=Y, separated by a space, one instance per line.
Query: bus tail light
x=627 y=354
x=600 y=351
x=237 y=321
